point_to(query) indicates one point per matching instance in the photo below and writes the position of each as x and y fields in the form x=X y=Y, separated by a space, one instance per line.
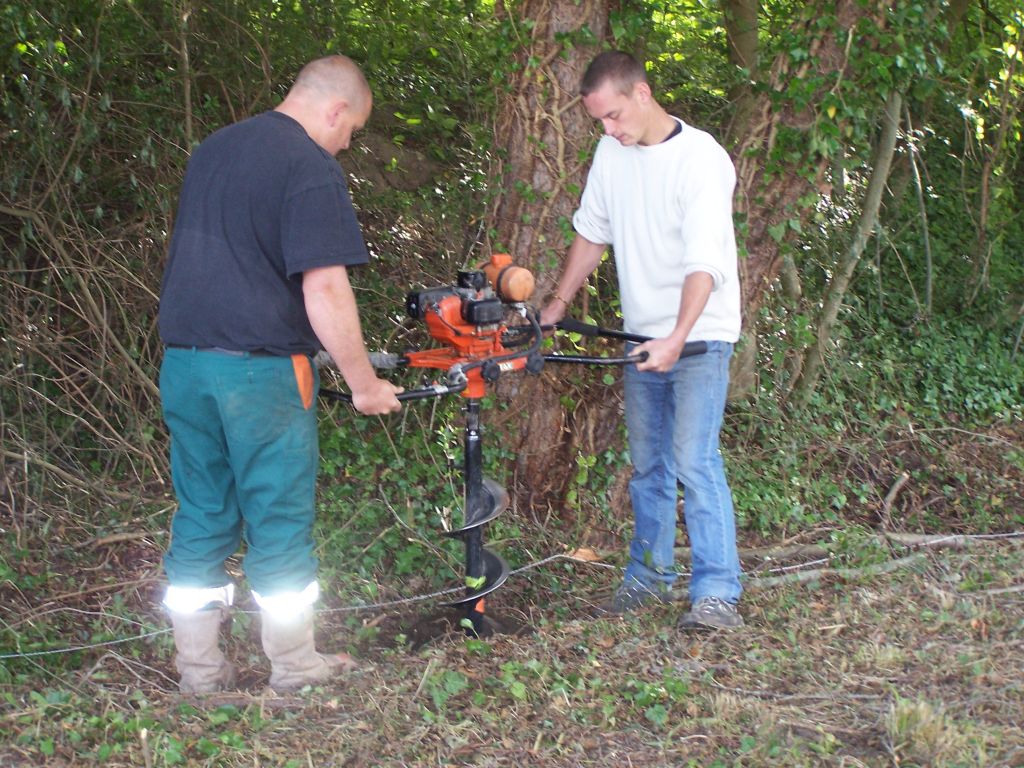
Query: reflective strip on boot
x=286 y=606
x=191 y=599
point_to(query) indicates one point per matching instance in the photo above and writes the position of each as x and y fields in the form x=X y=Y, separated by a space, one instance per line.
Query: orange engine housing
x=465 y=342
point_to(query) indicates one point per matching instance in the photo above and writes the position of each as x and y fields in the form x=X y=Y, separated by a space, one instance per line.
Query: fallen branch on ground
x=816 y=574
x=909 y=540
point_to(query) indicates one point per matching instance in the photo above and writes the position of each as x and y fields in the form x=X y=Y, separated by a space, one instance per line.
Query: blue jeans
x=673 y=420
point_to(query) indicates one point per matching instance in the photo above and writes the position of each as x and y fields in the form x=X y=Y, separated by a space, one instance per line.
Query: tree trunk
x=741 y=23
x=913 y=149
x=840 y=281
x=741 y=28
x=545 y=134
x=547 y=139
x=993 y=148
x=768 y=198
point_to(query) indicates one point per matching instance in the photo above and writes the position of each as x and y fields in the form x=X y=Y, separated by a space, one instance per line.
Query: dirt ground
x=863 y=647
x=855 y=666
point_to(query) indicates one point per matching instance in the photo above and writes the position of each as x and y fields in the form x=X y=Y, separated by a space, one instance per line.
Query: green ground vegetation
x=865 y=645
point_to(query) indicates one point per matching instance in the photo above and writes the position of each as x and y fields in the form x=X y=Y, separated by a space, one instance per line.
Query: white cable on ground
x=442 y=593
x=55 y=651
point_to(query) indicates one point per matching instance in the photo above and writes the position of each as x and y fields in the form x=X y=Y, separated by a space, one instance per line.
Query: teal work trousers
x=244 y=455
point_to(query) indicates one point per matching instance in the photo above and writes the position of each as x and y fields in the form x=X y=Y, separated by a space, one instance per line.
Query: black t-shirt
x=261 y=204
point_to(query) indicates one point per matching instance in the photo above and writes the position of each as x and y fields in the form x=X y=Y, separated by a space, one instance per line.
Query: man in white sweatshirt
x=659 y=193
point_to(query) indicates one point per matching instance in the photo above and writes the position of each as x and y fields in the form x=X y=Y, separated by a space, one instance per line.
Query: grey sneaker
x=634 y=595
x=711 y=613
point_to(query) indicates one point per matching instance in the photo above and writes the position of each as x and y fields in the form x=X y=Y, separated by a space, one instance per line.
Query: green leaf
x=657 y=714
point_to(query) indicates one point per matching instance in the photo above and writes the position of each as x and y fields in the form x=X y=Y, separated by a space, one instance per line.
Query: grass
x=860 y=665
x=923 y=666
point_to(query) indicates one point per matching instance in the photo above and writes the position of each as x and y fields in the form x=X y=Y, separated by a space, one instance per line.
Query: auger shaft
x=474 y=501
x=484 y=501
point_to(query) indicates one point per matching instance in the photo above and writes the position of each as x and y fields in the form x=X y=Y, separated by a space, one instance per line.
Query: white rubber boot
x=199 y=660
x=294 y=661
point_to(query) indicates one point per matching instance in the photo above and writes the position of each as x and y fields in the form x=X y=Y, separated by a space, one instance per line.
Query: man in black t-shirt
x=256 y=283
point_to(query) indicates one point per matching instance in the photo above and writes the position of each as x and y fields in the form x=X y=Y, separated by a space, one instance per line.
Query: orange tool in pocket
x=304 y=379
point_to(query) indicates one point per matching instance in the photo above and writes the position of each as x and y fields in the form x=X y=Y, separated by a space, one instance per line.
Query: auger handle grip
x=437 y=390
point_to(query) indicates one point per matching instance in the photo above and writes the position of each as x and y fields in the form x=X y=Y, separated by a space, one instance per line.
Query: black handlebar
x=458 y=378
x=689 y=350
x=589 y=360
x=572 y=325
x=437 y=390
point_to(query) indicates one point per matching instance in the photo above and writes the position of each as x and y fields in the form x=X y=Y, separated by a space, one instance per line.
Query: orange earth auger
x=469 y=320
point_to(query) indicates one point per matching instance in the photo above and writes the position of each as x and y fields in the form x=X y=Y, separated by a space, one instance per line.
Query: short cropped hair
x=334 y=76
x=616 y=66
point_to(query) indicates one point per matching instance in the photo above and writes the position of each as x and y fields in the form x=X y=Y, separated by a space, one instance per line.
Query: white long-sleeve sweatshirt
x=666 y=210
